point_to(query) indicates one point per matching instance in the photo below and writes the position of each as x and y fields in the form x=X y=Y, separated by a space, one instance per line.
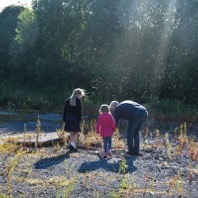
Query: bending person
x=136 y=115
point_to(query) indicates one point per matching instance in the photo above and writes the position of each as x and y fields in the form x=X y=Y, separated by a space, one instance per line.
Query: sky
x=5 y=3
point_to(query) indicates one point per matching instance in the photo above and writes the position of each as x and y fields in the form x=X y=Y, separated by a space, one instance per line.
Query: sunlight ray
x=165 y=40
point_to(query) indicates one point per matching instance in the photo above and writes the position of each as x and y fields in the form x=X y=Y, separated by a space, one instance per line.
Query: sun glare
x=166 y=35
x=5 y=3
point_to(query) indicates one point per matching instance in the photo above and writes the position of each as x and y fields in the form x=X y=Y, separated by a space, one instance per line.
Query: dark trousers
x=107 y=143
x=133 y=129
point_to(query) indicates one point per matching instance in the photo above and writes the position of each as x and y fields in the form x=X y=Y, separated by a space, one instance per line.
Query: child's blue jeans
x=107 y=142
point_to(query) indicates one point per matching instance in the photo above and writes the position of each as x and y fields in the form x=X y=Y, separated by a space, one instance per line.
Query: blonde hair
x=75 y=93
x=113 y=105
x=104 y=108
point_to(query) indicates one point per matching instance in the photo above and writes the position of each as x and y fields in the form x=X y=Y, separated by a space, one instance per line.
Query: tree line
x=123 y=49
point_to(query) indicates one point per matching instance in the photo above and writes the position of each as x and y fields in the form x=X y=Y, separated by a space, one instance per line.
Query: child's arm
x=113 y=124
x=98 y=125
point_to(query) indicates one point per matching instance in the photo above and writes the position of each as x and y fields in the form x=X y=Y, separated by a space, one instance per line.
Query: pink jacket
x=105 y=125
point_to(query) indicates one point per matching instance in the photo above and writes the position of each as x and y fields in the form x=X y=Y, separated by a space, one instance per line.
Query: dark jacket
x=127 y=110
x=72 y=112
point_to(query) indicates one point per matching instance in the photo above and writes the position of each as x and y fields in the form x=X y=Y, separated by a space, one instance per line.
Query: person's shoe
x=106 y=156
x=134 y=153
x=72 y=148
x=129 y=153
x=137 y=154
x=109 y=154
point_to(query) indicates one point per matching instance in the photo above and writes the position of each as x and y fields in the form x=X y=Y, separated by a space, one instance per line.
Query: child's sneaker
x=72 y=148
x=109 y=154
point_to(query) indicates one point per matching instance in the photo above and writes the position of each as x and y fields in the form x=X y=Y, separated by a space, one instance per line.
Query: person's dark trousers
x=107 y=142
x=133 y=129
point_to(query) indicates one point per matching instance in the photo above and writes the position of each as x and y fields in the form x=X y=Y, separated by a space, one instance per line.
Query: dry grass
x=8 y=148
x=92 y=139
x=175 y=147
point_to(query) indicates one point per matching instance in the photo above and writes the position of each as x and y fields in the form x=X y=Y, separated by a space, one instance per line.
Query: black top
x=127 y=109
x=72 y=112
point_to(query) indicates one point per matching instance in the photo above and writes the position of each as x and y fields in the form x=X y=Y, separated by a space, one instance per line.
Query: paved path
x=12 y=125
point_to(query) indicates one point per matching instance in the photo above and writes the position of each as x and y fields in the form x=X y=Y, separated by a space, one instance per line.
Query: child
x=72 y=116
x=106 y=127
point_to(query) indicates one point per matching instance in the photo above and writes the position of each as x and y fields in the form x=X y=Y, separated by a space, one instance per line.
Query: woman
x=72 y=116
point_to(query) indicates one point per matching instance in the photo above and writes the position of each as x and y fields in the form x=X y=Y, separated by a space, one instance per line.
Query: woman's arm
x=65 y=110
x=79 y=108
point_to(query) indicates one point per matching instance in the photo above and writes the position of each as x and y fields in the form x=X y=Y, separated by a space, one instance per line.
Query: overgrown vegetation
x=174 y=145
x=145 y=51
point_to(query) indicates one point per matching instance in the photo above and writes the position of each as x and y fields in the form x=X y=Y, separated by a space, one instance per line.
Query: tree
x=22 y=50
x=8 y=24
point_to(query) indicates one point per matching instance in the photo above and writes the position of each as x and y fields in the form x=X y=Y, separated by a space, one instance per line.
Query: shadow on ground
x=108 y=165
x=48 y=162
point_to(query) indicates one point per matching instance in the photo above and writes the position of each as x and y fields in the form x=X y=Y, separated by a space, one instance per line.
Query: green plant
x=176 y=184
x=124 y=184
x=114 y=194
x=123 y=166
x=64 y=185
x=69 y=169
x=10 y=168
x=179 y=185
x=2 y=195
x=38 y=131
x=152 y=185
x=67 y=190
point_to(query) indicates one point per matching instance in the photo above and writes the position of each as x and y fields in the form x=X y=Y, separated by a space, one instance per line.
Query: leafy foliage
x=126 y=49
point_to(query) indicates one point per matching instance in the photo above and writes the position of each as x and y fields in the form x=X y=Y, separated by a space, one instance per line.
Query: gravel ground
x=58 y=173
x=55 y=172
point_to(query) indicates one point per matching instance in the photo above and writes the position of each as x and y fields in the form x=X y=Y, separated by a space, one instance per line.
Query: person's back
x=72 y=112
x=127 y=109
x=105 y=124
